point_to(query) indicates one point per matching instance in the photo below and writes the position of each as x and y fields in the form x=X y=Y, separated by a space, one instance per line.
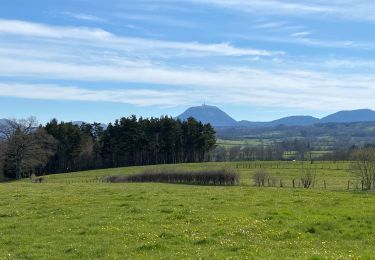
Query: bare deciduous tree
x=260 y=178
x=307 y=179
x=27 y=146
x=308 y=176
x=364 y=166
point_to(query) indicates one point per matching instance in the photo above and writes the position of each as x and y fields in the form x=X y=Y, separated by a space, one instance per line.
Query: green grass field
x=77 y=216
x=244 y=142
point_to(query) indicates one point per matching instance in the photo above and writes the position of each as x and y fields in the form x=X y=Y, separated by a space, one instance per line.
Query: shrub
x=311 y=230
x=35 y=179
x=307 y=178
x=222 y=176
x=260 y=178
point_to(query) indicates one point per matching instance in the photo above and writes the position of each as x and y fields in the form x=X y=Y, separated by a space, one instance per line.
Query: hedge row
x=207 y=177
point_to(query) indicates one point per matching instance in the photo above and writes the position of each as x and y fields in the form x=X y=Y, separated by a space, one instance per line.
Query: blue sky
x=98 y=60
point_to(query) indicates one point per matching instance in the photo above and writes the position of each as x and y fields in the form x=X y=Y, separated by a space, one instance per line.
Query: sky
x=258 y=60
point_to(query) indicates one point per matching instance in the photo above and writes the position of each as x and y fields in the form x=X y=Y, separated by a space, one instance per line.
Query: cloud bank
x=41 y=53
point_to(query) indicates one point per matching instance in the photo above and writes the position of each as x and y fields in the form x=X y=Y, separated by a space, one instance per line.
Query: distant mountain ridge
x=218 y=118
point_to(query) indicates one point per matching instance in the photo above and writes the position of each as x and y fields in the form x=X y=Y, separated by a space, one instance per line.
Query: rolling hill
x=351 y=116
x=291 y=120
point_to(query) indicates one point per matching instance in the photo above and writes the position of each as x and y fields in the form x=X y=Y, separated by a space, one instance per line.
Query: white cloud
x=269 y=25
x=301 y=34
x=352 y=64
x=22 y=28
x=139 y=97
x=85 y=17
x=270 y=6
x=274 y=88
x=99 y=37
x=84 y=56
x=362 y=10
x=309 y=41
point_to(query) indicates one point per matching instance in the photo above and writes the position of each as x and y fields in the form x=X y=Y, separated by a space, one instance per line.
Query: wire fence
x=292 y=183
x=279 y=180
x=343 y=166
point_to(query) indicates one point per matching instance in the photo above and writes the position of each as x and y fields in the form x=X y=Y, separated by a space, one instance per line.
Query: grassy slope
x=99 y=220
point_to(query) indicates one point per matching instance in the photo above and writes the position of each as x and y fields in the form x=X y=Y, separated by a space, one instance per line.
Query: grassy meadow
x=77 y=216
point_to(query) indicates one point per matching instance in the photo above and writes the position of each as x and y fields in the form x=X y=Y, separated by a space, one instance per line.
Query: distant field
x=77 y=216
x=231 y=143
x=254 y=142
x=315 y=155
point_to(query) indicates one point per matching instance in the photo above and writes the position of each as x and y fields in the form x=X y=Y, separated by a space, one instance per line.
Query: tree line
x=27 y=148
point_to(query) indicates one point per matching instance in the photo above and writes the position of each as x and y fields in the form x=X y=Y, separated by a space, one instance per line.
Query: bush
x=35 y=179
x=307 y=178
x=260 y=178
x=207 y=177
x=311 y=230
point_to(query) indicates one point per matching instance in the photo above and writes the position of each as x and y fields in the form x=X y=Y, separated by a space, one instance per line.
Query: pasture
x=78 y=216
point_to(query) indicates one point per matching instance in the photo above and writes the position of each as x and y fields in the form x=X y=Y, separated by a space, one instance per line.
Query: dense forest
x=27 y=149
